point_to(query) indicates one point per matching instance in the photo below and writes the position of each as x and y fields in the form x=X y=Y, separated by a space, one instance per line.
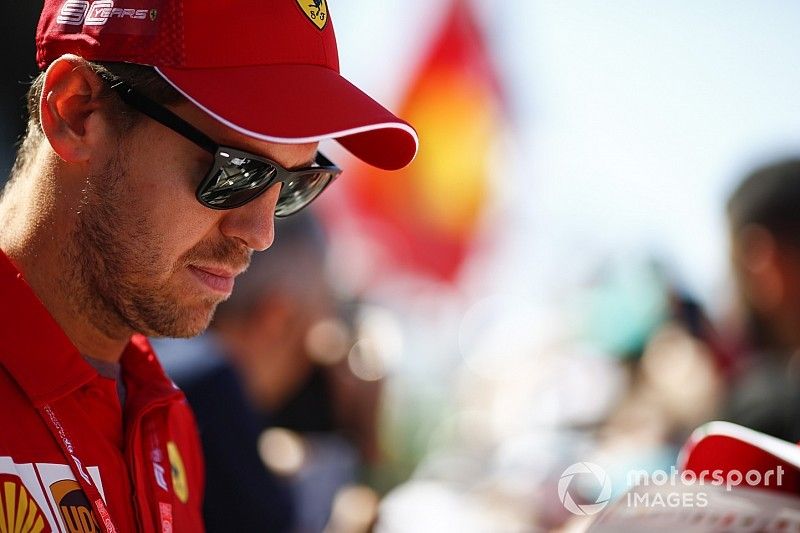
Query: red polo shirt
x=143 y=461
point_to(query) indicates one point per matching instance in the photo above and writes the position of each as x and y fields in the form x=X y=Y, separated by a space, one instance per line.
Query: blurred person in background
x=764 y=222
x=676 y=384
x=283 y=421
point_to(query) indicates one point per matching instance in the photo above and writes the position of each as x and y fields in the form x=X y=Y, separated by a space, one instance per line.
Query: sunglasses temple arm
x=160 y=114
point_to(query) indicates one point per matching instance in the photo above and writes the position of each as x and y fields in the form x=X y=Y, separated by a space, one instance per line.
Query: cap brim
x=299 y=104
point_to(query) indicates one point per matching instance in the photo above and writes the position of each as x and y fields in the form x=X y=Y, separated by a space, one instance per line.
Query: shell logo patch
x=316 y=11
x=74 y=507
x=179 y=483
x=18 y=510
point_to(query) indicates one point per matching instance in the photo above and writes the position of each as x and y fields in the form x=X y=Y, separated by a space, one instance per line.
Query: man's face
x=150 y=257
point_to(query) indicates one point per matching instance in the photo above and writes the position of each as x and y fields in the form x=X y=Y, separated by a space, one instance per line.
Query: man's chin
x=186 y=323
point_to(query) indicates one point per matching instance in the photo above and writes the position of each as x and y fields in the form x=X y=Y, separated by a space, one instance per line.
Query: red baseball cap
x=266 y=68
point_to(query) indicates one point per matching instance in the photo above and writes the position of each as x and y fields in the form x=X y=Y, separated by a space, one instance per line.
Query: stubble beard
x=117 y=275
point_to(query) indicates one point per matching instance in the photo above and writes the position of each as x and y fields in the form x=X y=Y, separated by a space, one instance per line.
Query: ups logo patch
x=75 y=509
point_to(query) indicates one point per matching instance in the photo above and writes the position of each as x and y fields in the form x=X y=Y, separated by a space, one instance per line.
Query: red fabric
x=187 y=35
x=725 y=454
x=265 y=67
x=39 y=366
x=302 y=101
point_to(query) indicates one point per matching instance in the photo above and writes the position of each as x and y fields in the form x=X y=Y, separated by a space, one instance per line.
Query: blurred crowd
x=319 y=411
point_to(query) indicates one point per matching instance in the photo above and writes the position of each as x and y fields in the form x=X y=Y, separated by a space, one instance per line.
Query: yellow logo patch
x=18 y=509
x=74 y=507
x=316 y=11
x=179 y=483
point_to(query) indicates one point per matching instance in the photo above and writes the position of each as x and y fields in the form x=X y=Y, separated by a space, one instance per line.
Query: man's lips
x=216 y=278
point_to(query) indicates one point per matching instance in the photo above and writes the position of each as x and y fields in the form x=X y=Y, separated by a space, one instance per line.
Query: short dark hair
x=769 y=197
x=143 y=77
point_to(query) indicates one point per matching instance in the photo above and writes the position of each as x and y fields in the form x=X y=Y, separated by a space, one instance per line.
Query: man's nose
x=253 y=223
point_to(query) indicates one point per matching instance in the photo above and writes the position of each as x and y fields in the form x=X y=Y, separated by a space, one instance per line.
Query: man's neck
x=36 y=228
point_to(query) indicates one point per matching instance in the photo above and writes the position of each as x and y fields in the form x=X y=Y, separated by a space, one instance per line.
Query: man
x=764 y=218
x=163 y=138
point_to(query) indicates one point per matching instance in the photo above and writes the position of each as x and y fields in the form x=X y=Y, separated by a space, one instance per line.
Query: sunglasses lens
x=237 y=182
x=299 y=191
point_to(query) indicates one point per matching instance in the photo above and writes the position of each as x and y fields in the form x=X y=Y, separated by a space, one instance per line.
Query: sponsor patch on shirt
x=50 y=492
x=19 y=510
x=73 y=506
x=179 y=483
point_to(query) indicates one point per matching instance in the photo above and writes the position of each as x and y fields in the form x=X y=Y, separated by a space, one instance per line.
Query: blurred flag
x=425 y=216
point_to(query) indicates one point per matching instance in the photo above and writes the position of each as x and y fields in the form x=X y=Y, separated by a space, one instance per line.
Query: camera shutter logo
x=602 y=481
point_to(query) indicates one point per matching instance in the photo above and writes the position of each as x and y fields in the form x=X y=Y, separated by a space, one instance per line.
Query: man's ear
x=68 y=109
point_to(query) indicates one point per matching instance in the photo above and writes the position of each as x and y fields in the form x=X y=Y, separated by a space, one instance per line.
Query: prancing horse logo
x=316 y=11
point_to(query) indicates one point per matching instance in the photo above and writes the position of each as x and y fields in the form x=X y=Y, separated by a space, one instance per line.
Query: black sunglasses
x=236 y=177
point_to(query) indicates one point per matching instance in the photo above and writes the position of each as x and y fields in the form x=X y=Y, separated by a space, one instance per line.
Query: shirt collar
x=41 y=358
x=143 y=372
x=33 y=348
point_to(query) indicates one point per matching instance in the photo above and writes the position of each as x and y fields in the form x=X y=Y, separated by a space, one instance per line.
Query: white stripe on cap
x=299 y=140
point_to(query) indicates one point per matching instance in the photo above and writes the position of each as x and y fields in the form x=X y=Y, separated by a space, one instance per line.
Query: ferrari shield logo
x=179 y=482
x=316 y=11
